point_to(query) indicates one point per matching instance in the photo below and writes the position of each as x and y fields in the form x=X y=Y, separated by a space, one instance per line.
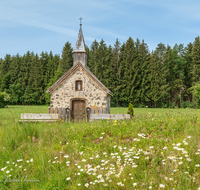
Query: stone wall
x=93 y=94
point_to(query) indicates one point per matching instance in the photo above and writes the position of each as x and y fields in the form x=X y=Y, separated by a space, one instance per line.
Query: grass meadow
x=157 y=149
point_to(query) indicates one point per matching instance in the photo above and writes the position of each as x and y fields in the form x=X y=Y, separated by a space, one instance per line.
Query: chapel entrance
x=78 y=110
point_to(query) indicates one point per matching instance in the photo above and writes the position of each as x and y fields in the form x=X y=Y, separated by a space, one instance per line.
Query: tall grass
x=158 y=150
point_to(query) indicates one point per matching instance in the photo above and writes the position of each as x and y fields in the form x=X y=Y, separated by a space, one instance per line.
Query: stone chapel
x=78 y=89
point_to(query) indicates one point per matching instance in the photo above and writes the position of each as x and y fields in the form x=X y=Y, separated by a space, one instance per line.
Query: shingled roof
x=80 y=44
x=72 y=70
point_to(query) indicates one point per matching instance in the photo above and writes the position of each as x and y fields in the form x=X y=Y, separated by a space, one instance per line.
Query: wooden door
x=78 y=110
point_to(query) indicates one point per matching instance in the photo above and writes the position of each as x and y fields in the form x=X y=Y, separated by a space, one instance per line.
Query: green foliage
x=4 y=99
x=129 y=71
x=196 y=93
x=130 y=110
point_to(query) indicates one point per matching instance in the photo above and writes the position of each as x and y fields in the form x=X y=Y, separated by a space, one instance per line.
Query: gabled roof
x=80 y=44
x=72 y=70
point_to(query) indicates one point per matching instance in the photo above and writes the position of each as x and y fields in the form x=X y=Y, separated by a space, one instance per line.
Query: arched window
x=78 y=85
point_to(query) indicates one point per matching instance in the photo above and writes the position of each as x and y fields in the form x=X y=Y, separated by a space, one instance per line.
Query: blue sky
x=46 y=25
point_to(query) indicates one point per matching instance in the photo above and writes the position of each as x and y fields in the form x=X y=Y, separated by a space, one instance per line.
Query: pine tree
x=154 y=91
x=196 y=61
x=163 y=72
x=67 y=58
x=24 y=75
x=179 y=58
x=188 y=72
x=144 y=64
x=103 y=60
x=114 y=72
x=6 y=76
x=65 y=63
x=128 y=74
x=93 y=57
x=15 y=68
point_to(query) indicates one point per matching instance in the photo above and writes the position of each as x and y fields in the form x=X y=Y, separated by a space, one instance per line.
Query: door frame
x=71 y=106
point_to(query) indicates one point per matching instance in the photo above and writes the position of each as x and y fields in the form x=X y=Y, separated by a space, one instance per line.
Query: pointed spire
x=80 y=44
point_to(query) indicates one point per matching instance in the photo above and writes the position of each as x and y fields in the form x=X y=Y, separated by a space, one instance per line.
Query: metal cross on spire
x=80 y=21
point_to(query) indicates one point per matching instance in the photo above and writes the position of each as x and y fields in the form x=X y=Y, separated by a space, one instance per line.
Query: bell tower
x=80 y=54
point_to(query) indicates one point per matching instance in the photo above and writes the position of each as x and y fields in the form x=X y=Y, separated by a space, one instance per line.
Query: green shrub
x=188 y=104
x=130 y=110
x=141 y=105
x=4 y=99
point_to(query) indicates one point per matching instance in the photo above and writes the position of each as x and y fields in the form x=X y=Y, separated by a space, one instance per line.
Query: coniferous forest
x=165 y=77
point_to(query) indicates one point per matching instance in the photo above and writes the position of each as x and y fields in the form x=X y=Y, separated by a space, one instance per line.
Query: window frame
x=76 y=87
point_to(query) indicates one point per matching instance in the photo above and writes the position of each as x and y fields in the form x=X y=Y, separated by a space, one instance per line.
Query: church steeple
x=80 y=54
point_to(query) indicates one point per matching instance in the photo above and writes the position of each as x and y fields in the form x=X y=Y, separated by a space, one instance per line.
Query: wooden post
x=59 y=113
x=92 y=110
x=96 y=110
x=56 y=110
x=100 y=110
x=63 y=114
x=88 y=113
x=68 y=114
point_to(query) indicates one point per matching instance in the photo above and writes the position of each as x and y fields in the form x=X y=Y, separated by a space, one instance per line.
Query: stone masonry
x=93 y=94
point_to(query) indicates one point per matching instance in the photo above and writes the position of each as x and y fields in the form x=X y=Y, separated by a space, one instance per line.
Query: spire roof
x=80 y=44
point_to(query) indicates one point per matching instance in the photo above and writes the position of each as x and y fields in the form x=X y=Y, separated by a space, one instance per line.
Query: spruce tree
x=196 y=61
x=93 y=58
x=67 y=58
x=128 y=73
x=144 y=65
x=188 y=72
x=114 y=72
x=24 y=75
x=154 y=91
x=5 y=74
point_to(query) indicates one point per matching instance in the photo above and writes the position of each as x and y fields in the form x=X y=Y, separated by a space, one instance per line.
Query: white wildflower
x=161 y=186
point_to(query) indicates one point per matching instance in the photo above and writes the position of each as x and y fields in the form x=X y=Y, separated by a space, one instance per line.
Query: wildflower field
x=157 y=149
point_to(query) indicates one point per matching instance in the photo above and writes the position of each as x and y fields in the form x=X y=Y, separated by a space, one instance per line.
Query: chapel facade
x=78 y=89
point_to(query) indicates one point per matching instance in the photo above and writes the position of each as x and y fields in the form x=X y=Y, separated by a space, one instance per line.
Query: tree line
x=165 y=77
